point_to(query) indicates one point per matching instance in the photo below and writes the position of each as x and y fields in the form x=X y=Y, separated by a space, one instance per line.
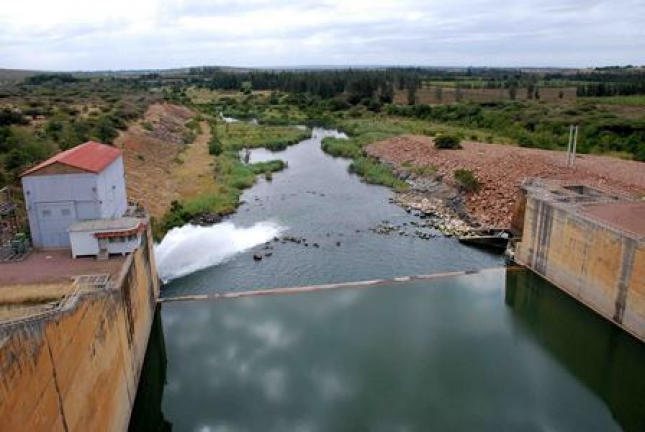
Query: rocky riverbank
x=500 y=169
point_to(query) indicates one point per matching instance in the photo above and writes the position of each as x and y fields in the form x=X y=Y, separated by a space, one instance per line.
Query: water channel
x=492 y=350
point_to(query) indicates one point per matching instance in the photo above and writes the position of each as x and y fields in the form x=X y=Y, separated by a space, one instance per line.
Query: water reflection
x=457 y=353
x=600 y=355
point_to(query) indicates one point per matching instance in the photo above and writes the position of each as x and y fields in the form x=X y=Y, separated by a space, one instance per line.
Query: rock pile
x=501 y=168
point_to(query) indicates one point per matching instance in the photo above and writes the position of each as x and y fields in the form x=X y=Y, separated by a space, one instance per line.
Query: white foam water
x=190 y=248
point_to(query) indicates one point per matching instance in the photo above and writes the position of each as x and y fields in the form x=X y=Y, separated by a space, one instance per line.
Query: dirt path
x=194 y=173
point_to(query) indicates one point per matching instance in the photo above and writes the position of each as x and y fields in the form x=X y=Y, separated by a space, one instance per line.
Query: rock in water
x=257 y=257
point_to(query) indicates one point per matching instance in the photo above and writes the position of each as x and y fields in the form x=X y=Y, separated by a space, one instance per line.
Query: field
x=633 y=100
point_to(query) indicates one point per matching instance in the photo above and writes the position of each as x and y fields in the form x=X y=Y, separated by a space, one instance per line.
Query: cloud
x=121 y=34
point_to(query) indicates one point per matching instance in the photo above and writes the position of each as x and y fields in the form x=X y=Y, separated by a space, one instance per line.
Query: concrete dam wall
x=591 y=244
x=76 y=367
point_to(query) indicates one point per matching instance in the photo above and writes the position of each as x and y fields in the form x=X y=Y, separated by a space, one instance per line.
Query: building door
x=54 y=220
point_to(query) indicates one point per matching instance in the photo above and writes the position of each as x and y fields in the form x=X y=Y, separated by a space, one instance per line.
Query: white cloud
x=126 y=34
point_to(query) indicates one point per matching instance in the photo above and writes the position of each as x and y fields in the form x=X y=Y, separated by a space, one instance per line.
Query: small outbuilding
x=83 y=183
x=104 y=237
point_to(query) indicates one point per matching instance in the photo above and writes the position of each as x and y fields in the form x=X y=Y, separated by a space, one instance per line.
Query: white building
x=85 y=183
x=103 y=237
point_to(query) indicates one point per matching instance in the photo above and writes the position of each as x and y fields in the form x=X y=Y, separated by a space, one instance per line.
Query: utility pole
x=575 y=145
x=569 y=145
x=572 y=146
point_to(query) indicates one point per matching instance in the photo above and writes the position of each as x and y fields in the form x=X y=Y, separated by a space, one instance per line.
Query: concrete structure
x=434 y=95
x=588 y=242
x=85 y=182
x=102 y=237
x=71 y=354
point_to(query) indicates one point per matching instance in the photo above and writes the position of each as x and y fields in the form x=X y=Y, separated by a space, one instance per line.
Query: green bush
x=447 y=142
x=467 y=180
x=214 y=146
x=268 y=167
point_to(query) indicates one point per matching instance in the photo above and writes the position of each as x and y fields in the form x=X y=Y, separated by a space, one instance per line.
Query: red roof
x=91 y=156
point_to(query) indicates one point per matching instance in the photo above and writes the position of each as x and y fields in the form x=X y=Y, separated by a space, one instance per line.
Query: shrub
x=447 y=142
x=268 y=166
x=214 y=146
x=466 y=180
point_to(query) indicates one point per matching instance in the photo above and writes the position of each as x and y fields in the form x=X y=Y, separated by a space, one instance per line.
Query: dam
x=352 y=342
x=71 y=350
x=589 y=242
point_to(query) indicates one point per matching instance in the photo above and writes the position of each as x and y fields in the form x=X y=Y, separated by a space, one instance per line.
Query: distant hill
x=13 y=75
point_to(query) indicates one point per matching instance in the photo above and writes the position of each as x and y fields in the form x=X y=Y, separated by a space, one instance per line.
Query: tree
x=246 y=87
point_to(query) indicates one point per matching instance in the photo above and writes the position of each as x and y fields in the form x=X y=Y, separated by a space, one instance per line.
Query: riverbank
x=229 y=175
x=501 y=168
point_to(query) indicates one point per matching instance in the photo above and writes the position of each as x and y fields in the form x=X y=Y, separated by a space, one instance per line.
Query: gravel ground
x=501 y=169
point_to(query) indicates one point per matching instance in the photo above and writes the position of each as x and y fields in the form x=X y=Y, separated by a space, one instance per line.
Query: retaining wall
x=77 y=368
x=599 y=265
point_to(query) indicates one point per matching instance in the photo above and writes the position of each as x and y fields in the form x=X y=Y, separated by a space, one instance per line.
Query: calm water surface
x=494 y=350
x=491 y=351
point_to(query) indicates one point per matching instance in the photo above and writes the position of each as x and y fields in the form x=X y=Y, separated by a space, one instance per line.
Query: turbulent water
x=190 y=248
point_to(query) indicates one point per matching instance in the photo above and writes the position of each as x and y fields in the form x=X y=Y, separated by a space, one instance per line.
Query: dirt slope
x=501 y=168
x=159 y=166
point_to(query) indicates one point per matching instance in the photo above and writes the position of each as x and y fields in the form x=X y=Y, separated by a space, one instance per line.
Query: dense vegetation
x=603 y=128
x=52 y=112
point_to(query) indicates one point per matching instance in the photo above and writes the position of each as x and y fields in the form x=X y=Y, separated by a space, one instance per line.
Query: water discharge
x=191 y=248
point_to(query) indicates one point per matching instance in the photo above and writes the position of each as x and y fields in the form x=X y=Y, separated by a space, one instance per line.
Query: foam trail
x=190 y=248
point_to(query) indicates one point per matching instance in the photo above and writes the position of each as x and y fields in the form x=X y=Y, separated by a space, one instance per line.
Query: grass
x=419 y=170
x=375 y=172
x=240 y=135
x=635 y=100
x=467 y=180
x=231 y=175
x=268 y=167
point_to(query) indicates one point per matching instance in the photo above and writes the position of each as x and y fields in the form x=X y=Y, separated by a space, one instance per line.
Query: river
x=491 y=350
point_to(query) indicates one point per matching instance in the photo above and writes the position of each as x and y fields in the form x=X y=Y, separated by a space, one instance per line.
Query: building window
x=47 y=213
x=65 y=212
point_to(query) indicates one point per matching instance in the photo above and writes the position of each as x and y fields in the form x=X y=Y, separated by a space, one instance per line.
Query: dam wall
x=590 y=244
x=76 y=367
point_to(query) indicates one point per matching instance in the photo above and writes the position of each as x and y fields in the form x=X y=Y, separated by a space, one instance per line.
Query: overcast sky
x=145 y=34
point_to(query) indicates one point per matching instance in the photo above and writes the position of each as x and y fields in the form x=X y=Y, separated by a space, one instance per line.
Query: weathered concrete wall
x=77 y=369
x=601 y=266
x=433 y=95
